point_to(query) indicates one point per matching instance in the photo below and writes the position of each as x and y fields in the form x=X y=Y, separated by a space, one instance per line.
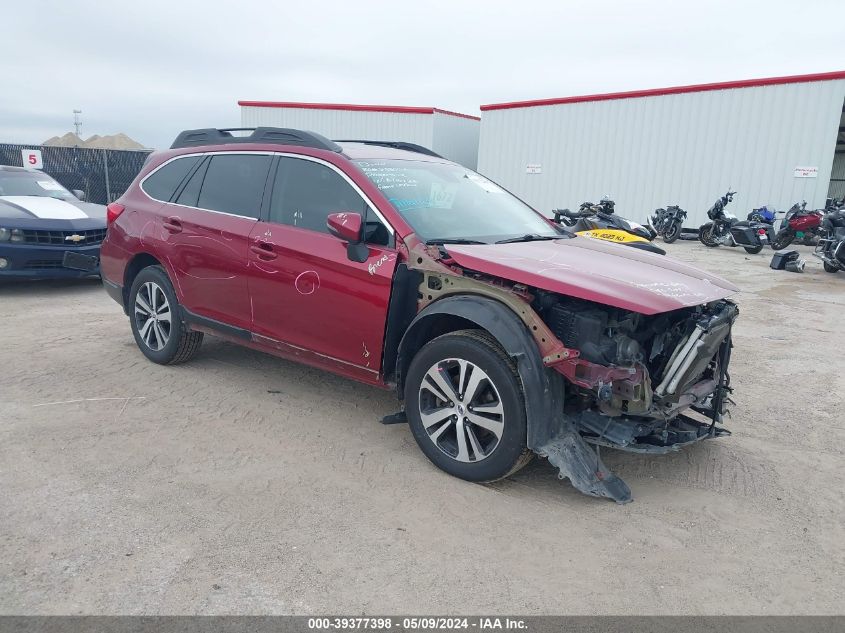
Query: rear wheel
x=672 y=232
x=466 y=408
x=156 y=323
x=705 y=235
x=782 y=239
x=753 y=250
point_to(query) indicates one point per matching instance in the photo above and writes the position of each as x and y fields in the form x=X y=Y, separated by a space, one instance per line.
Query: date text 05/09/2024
x=430 y=623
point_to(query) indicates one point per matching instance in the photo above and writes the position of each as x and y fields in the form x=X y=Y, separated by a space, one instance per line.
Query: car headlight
x=17 y=235
x=5 y=234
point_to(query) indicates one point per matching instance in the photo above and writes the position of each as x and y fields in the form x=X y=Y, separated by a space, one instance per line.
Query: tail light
x=761 y=231
x=113 y=211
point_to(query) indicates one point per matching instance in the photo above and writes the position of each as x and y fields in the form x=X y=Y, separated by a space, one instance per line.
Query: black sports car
x=45 y=230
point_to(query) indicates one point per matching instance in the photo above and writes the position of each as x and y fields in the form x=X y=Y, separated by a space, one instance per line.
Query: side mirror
x=348 y=226
x=79 y=194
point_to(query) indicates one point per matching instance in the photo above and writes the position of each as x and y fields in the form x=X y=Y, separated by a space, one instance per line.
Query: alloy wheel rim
x=461 y=410
x=153 y=316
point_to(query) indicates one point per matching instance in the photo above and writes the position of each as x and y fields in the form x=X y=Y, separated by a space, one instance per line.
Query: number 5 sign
x=32 y=158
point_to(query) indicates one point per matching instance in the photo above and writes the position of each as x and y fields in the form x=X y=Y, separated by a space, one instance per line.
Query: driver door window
x=306 y=192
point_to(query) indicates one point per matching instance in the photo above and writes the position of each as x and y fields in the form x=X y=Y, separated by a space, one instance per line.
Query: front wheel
x=753 y=250
x=672 y=232
x=830 y=268
x=782 y=239
x=155 y=317
x=466 y=408
x=705 y=235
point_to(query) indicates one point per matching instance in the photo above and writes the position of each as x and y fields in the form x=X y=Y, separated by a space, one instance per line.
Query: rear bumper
x=30 y=261
x=115 y=291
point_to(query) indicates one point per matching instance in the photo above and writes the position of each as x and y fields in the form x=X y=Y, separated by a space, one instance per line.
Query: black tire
x=782 y=239
x=479 y=349
x=672 y=232
x=830 y=268
x=181 y=344
x=753 y=250
x=704 y=235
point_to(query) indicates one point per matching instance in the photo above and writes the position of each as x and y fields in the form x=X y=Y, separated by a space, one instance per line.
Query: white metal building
x=450 y=134
x=772 y=140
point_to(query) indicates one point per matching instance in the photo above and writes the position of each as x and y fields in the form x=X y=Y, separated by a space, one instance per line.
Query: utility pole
x=77 y=121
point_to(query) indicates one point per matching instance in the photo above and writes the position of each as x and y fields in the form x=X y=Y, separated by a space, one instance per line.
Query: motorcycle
x=831 y=246
x=798 y=224
x=668 y=222
x=726 y=230
x=763 y=214
x=601 y=222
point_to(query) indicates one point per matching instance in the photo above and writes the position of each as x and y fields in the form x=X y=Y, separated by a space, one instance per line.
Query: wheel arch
x=135 y=265
x=460 y=312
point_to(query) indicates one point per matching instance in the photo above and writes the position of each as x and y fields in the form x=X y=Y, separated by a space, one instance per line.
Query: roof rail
x=274 y=135
x=410 y=147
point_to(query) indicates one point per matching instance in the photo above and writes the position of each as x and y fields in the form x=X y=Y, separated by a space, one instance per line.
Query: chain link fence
x=103 y=174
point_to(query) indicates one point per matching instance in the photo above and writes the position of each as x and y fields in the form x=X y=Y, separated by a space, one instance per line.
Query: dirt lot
x=242 y=483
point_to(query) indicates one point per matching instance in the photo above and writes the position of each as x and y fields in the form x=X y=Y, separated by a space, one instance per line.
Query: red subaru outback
x=504 y=334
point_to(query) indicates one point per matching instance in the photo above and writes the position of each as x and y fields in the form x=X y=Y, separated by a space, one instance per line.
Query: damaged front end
x=633 y=380
x=594 y=375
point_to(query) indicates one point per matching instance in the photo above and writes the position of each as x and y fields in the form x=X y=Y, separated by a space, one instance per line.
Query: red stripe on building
x=353 y=107
x=657 y=92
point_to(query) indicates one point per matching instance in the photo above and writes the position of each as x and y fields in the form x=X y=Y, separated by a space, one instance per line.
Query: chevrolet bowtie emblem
x=75 y=238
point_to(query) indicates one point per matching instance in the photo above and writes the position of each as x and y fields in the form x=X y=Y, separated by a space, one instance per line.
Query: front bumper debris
x=583 y=467
x=656 y=437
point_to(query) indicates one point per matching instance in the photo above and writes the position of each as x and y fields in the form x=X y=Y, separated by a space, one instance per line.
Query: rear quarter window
x=162 y=184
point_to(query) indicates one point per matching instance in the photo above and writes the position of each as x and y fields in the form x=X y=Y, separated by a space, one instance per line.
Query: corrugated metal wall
x=682 y=149
x=453 y=137
x=456 y=138
x=340 y=124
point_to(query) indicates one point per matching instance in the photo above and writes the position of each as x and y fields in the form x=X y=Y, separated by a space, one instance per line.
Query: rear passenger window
x=191 y=191
x=163 y=183
x=305 y=193
x=234 y=183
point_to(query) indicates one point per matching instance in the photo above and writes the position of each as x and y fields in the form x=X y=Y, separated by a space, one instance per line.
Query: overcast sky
x=150 y=68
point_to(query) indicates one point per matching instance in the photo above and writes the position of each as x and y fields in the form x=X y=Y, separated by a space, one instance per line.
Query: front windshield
x=446 y=201
x=31 y=183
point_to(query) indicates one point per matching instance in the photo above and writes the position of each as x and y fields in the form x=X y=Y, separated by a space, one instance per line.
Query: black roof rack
x=276 y=135
x=410 y=147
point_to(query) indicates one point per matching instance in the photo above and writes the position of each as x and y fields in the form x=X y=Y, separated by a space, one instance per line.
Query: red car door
x=308 y=299
x=207 y=232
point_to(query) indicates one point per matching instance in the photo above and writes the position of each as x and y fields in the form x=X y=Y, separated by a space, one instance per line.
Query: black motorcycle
x=726 y=230
x=831 y=246
x=668 y=222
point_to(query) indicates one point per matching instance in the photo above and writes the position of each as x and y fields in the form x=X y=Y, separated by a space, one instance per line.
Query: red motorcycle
x=798 y=223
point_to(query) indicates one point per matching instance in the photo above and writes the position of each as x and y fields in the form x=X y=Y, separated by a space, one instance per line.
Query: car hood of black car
x=47 y=208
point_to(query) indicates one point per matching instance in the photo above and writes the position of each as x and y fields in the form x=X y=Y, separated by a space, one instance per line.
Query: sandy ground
x=242 y=483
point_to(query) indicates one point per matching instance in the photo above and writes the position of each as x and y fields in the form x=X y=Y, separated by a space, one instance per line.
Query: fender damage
x=630 y=385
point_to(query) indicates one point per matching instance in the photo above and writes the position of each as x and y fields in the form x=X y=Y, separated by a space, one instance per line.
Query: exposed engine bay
x=634 y=374
x=595 y=373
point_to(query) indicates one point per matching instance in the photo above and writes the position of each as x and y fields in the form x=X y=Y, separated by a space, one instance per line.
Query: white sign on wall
x=533 y=168
x=32 y=158
x=806 y=172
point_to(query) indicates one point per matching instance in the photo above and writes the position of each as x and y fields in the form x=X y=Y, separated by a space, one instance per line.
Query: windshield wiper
x=452 y=240
x=530 y=237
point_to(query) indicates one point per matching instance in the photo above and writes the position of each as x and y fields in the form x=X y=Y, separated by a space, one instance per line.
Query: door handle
x=264 y=250
x=173 y=224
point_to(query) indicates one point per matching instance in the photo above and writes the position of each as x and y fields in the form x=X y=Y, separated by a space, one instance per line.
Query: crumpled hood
x=595 y=270
x=47 y=208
